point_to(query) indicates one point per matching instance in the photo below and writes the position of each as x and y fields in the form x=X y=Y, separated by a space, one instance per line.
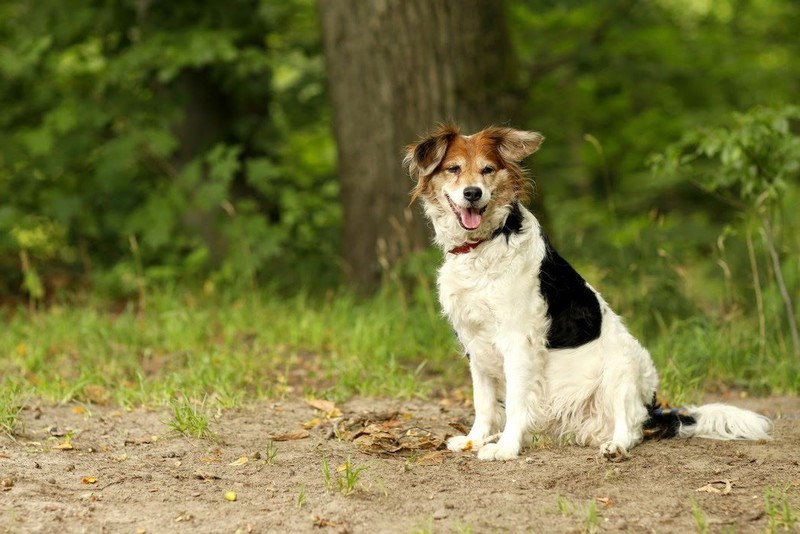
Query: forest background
x=207 y=198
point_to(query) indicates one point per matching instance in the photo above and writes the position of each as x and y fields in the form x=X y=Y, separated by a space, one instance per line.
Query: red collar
x=466 y=247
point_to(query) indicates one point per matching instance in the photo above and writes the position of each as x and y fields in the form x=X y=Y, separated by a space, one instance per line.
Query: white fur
x=595 y=394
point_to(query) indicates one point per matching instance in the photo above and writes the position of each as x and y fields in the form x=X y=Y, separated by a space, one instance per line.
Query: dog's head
x=469 y=182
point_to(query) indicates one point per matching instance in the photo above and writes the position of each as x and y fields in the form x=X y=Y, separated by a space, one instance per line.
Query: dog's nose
x=472 y=193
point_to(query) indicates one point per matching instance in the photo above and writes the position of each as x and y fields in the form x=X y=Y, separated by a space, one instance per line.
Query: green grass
x=232 y=347
x=11 y=403
x=700 y=519
x=779 y=511
x=343 y=479
x=190 y=418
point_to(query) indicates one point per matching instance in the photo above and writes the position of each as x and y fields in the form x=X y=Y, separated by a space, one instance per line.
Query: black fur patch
x=573 y=308
x=664 y=422
x=513 y=224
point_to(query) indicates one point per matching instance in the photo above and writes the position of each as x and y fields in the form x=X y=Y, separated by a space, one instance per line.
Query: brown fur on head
x=504 y=147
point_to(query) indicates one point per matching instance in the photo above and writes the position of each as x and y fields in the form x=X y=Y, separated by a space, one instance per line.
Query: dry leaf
x=311 y=424
x=709 y=488
x=431 y=458
x=65 y=445
x=329 y=407
x=322 y=522
x=239 y=461
x=78 y=410
x=459 y=427
x=322 y=405
x=89 y=480
x=605 y=501
x=291 y=436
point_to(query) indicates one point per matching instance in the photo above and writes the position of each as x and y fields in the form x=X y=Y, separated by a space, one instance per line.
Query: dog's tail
x=711 y=421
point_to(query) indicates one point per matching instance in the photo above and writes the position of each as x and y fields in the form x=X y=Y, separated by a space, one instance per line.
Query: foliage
x=200 y=131
x=750 y=166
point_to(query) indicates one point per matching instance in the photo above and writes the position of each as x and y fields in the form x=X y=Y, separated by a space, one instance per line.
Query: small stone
x=440 y=514
x=51 y=481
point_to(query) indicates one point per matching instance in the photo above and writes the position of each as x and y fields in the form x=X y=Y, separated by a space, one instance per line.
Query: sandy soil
x=78 y=469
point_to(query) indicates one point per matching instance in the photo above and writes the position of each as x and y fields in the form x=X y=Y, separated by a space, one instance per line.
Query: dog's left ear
x=424 y=157
x=515 y=145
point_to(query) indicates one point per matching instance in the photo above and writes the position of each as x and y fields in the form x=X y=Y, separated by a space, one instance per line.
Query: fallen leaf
x=710 y=487
x=7 y=483
x=65 y=445
x=431 y=458
x=89 y=480
x=605 y=501
x=322 y=522
x=329 y=407
x=239 y=461
x=321 y=405
x=311 y=424
x=291 y=436
x=78 y=410
x=230 y=496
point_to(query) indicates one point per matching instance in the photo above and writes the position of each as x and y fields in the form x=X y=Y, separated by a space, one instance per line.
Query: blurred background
x=221 y=148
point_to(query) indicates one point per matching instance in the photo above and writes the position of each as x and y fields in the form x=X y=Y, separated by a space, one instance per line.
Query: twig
x=787 y=300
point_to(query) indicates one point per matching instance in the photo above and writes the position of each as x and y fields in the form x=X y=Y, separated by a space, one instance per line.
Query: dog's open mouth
x=469 y=218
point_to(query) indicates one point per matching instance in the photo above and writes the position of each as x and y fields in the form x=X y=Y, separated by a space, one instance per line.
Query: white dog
x=546 y=353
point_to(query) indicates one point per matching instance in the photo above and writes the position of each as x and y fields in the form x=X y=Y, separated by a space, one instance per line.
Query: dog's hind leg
x=628 y=413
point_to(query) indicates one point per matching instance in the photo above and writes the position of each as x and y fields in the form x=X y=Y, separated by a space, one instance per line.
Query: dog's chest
x=482 y=295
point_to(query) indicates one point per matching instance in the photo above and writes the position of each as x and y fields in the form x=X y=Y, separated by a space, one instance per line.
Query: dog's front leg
x=484 y=397
x=522 y=367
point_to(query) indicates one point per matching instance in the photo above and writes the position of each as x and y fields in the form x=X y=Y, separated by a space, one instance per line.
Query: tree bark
x=396 y=68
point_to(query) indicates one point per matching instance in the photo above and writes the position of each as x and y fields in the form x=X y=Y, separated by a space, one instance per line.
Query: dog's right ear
x=424 y=157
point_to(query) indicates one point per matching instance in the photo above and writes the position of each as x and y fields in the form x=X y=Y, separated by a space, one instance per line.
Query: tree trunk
x=396 y=68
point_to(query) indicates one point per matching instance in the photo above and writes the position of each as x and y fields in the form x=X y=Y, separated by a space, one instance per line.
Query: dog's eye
x=454 y=169
x=487 y=170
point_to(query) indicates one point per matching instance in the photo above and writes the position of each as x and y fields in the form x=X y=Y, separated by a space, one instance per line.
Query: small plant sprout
x=779 y=510
x=592 y=522
x=326 y=474
x=10 y=407
x=346 y=476
x=349 y=476
x=189 y=418
x=700 y=519
x=270 y=453
x=563 y=506
x=301 y=499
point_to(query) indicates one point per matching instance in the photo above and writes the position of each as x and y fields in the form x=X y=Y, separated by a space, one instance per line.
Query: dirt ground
x=96 y=469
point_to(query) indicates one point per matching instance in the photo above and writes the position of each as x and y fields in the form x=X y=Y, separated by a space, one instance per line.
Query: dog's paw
x=463 y=443
x=496 y=451
x=613 y=452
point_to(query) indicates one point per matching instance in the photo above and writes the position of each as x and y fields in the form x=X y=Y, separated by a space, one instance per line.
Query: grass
x=190 y=418
x=702 y=330
x=11 y=403
x=700 y=519
x=344 y=479
x=779 y=510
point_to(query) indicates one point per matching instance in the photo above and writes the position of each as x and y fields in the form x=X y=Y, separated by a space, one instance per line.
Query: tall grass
x=683 y=286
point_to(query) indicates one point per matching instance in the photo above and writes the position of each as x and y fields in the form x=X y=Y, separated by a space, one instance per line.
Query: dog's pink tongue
x=470 y=218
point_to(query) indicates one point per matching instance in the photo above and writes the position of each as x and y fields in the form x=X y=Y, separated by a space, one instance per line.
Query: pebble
x=440 y=514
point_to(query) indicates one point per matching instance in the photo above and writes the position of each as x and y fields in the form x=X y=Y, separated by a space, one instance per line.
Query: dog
x=546 y=353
